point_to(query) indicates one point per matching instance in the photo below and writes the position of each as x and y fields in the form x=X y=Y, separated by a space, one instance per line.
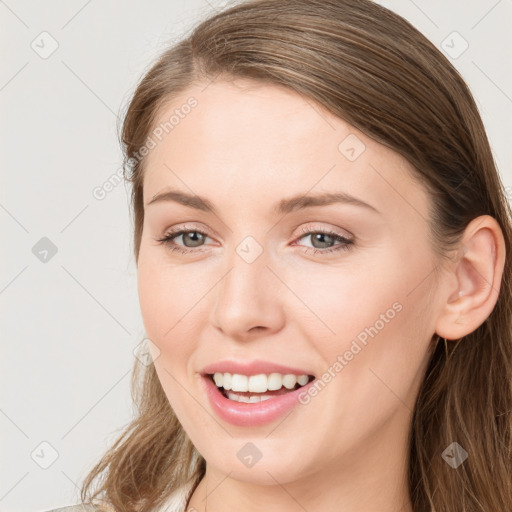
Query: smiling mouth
x=256 y=396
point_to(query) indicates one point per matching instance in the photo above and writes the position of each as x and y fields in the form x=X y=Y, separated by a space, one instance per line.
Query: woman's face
x=356 y=315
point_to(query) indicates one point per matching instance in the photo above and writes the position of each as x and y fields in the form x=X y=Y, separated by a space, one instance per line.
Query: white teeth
x=258 y=383
x=289 y=381
x=238 y=382
x=302 y=380
x=251 y=400
x=275 y=381
x=226 y=384
x=217 y=377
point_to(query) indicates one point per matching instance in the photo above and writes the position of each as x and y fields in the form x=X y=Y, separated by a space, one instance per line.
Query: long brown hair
x=370 y=67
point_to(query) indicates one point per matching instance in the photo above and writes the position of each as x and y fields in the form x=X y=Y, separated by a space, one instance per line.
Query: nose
x=248 y=300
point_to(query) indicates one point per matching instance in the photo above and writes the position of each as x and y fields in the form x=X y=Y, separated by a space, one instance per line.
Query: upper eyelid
x=306 y=229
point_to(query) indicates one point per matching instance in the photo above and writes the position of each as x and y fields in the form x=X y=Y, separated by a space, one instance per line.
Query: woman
x=321 y=238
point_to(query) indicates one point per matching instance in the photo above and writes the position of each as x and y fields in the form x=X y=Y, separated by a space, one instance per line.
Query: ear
x=474 y=281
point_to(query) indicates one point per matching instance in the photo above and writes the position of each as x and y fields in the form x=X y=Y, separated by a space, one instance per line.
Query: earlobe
x=475 y=279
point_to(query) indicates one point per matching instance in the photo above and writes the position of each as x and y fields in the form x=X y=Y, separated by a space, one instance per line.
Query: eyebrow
x=283 y=207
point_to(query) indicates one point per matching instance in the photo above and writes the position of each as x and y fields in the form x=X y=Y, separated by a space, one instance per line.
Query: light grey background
x=69 y=325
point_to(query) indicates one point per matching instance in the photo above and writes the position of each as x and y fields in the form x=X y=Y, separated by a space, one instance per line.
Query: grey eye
x=195 y=240
x=320 y=237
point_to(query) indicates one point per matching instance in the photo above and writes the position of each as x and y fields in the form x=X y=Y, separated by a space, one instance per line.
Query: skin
x=245 y=147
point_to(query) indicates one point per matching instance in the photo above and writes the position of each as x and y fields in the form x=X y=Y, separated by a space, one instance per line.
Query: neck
x=372 y=477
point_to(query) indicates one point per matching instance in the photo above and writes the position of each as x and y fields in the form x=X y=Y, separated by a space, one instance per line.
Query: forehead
x=244 y=140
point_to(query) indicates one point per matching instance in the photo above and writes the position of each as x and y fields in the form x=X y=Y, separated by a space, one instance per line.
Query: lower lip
x=255 y=414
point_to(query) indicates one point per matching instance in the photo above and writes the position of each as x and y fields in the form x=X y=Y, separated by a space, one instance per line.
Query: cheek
x=161 y=308
x=163 y=304
x=340 y=304
x=153 y=301
x=162 y=290
x=380 y=349
x=368 y=314
x=173 y=312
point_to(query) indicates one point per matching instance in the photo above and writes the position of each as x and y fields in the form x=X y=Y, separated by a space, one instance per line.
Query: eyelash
x=345 y=244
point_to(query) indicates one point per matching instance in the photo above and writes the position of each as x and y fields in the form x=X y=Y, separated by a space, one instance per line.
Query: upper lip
x=252 y=368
